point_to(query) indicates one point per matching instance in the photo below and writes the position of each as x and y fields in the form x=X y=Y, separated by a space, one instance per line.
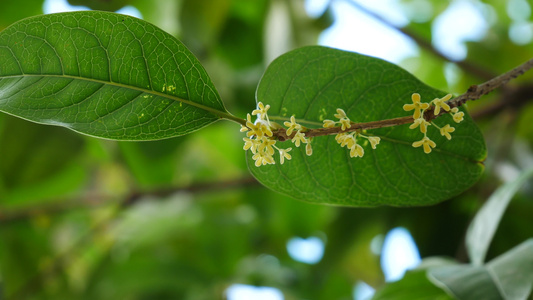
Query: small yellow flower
x=261 y=111
x=299 y=137
x=263 y=158
x=266 y=146
x=374 y=140
x=347 y=140
x=292 y=126
x=308 y=149
x=284 y=153
x=340 y=114
x=357 y=151
x=422 y=123
x=445 y=131
x=345 y=123
x=417 y=106
x=250 y=144
x=457 y=115
x=441 y=103
x=329 y=124
x=427 y=143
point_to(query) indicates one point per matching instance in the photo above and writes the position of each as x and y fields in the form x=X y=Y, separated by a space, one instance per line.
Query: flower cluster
x=259 y=138
x=349 y=139
x=419 y=120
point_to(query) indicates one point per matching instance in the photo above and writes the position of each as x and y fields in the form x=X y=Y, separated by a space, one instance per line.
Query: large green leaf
x=311 y=83
x=105 y=75
x=486 y=221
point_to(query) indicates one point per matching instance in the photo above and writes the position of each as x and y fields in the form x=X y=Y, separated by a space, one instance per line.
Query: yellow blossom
x=457 y=115
x=284 y=153
x=340 y=114
x=250 y=144
x=261 y=111
x=299 y=137
x=345 y=123
x=357 y=151
x=308 y=149
x=422 y=123
x=445 y=131
x=441 y=103
x=266 y=146
x=329 y=124
x=262 y=159
x=417 y=106
x=292 y=126
x=374 y=140
x=427 y=143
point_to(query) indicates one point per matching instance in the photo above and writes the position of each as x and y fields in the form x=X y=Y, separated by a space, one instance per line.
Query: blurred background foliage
x=82 y=218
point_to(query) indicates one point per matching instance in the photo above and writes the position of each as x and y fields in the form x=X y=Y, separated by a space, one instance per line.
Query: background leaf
x=465 y=282
x=105 y=75
x=311 y=83
x=513 y=271
x=486 y=221
x=509 y=276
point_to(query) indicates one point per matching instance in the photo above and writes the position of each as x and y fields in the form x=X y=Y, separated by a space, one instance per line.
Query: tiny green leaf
x=105 y=75
x=485 y=223
x=311 y=83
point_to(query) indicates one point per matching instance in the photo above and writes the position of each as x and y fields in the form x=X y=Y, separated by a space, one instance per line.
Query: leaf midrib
x=219 y=113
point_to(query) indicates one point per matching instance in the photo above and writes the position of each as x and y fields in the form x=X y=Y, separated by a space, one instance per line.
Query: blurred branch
x=513 y=98
x=476 y=91
x=424 y=44
x=89 y=201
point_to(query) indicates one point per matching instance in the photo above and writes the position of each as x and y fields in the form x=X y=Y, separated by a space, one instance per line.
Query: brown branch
x=513 y=98
x=92 y=201
x=473 y=93
x=424 y=44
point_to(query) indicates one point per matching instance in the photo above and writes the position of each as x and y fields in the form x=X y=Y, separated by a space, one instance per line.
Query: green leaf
x=311 y=83
x=509 y=276
x=513 y=271
x=485 y=223
x=104 y=75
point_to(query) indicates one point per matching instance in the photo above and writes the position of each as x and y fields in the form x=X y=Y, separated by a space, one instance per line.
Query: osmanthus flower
x=422 y=123
x=426 y=143
x=261 y=111
x=259 y=129
x=374 y=140
x=417 y=106
x=260 y=139
x=292 y=126
x=262 y=158
x=357 y=151
x=446 y=130
x=299 y=137
x=441 y=102
x=438 y=103
x=457 y=115
x=284 y=153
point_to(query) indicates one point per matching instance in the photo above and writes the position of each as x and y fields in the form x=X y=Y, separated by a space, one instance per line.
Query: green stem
x=229 y=116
